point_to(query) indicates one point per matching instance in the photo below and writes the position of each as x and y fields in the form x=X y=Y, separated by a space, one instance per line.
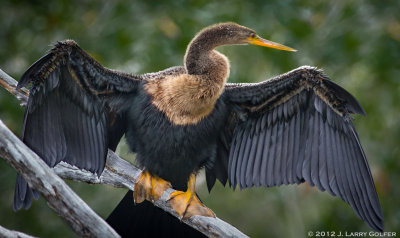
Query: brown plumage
x=188 y=98
x=185 y=99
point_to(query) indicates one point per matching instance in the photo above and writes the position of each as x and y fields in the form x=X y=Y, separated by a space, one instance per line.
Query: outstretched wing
x=297 y=128
x=74 y=112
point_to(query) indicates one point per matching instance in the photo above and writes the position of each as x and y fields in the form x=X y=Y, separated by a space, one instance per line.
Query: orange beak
x=256 y=40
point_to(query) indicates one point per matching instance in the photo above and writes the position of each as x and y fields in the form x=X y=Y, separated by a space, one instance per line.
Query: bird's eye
x=252 y=35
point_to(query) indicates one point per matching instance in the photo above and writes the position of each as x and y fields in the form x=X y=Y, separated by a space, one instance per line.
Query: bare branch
x=13 y=234
x=120 y=173
x=7 y=82
x=117 y=173
x=81 y=218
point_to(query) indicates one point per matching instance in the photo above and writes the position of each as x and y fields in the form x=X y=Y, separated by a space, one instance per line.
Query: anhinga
x=291 y=129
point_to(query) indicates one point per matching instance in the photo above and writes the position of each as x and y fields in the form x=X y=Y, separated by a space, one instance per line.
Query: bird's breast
x=172 y=151
x=184 y=99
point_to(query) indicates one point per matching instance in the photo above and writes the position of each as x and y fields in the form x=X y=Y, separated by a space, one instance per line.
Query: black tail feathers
x=146 y=220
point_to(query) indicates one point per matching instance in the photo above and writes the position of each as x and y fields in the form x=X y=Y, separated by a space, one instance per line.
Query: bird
x=291 y=129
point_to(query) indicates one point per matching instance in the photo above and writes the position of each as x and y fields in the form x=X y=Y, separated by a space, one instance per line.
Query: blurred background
x=356 y=42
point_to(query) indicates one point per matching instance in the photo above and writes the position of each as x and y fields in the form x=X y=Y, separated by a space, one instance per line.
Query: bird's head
x=232 y=34
x=198 y=59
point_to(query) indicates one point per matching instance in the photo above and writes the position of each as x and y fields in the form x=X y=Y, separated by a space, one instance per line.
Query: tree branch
x=7 y=82
x=81 y=218
x=120 y=173
x=117 y=173
x=13 y=234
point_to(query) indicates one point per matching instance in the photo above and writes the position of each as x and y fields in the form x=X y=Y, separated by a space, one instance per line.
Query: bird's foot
x=149 y=187
x=187 y=204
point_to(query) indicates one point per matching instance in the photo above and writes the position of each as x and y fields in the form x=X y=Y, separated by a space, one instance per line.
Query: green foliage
x=356 y=42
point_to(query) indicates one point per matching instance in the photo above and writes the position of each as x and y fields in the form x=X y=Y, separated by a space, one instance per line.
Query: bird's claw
x=187 y=204
x=149 y=187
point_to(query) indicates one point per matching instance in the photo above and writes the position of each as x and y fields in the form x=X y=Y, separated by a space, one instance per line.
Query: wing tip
x=36 y=68
x=375 y=224
x=23 y=198
x=352 y=104
x=25 y=78
x=380 y=226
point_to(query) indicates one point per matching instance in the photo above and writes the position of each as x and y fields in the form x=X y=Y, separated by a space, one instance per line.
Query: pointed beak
x=256 y=40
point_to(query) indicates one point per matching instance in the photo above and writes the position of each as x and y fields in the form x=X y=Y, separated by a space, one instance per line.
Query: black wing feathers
x=67 y=116
x=297 y=128
x=219 y=168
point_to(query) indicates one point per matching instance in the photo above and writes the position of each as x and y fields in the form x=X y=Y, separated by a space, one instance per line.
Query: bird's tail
x=146 y=220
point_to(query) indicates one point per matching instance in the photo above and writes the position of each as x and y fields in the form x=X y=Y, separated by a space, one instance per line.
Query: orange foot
x=187 y=204
x=149 y=187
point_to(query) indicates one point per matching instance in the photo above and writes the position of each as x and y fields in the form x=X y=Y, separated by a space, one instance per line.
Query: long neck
x=202 y=59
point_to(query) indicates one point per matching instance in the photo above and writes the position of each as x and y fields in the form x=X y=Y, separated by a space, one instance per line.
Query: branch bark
x=80 y=217
x=13 y=234
x=117 y=173
x=120 y=173
x=7 y=82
